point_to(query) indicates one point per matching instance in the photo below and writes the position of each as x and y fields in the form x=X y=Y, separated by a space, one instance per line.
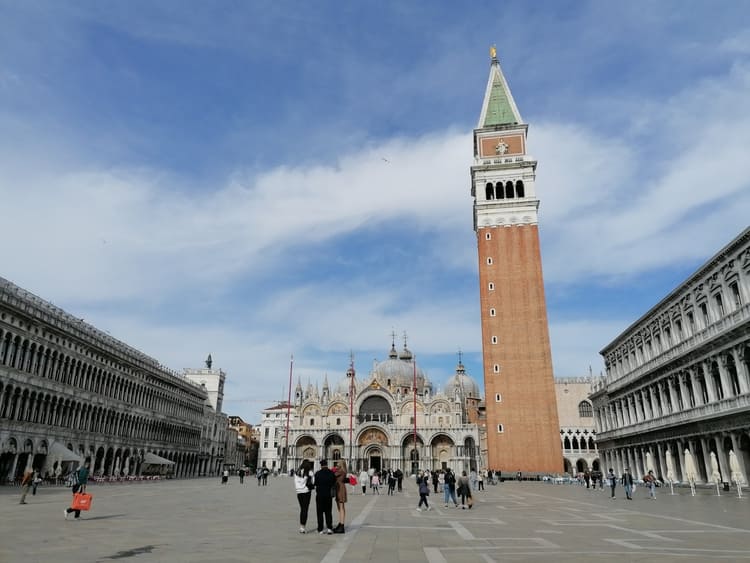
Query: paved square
x=201 y=520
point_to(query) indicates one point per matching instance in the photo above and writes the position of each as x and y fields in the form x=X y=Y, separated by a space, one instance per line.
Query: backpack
x=450 y=479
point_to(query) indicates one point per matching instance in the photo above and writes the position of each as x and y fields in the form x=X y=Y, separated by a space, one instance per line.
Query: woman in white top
x=364 y=479
x=303 y=486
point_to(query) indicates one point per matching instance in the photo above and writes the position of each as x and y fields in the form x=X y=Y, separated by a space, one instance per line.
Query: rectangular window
x=488 y=236
x=678 y=328
x=492 y=312
x=736 y=294
x=496 y=368
x=704 y=313
x=500 y=429
x=719 y=304
x=498 y=398
x=494 y=339
x=489 y=261
x=491 y=286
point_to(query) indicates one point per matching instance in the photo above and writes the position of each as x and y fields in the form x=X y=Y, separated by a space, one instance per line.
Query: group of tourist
x=628 y=483
x=329 y=485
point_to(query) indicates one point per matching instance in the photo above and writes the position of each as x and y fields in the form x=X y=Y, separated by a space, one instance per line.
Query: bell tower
x=523 y=433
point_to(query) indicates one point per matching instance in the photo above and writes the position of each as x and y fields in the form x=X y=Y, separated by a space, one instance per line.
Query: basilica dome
x=397 y=372
x=463 y=383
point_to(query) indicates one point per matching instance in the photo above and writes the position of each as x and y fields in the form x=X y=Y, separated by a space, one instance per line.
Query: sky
x=257 y=180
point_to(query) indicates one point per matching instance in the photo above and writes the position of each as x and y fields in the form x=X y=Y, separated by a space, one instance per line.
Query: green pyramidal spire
x=498 y=108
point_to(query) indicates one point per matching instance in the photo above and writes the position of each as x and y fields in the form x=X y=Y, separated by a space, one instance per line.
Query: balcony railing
x=724 y=407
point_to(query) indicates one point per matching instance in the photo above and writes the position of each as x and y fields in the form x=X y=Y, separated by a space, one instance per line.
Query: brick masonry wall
x=528 y=410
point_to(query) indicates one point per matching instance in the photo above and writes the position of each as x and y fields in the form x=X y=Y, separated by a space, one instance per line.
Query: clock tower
x=523 y=433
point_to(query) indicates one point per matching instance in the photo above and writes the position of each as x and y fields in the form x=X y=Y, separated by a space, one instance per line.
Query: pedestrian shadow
x=107 y=517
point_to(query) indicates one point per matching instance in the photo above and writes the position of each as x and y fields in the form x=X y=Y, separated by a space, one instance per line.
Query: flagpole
x=416 y=453
x=288 y=413
x=351 y=407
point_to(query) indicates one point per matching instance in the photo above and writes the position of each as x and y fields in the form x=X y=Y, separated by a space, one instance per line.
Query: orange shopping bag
x=81 y=501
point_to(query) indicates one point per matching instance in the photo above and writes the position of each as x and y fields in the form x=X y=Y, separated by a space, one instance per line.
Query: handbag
x=81 y=501
x=352 y=480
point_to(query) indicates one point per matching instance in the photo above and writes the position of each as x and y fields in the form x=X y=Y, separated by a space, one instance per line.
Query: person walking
x=341 y=496
x=303 y=486
x=241 y=473
x=434 y=478
x=399 y=479
x=480 y=480
x=391 y=482
x=424 y=491
x=35 y=480
x=612 y=482
x=627 y=483
x=364 y=480
x=464 y=490
x=449 y=490
x=26 y=482
x=225 y=477
x=264 y=474
x=81 y=478
x=650 y=481
x=324 y=481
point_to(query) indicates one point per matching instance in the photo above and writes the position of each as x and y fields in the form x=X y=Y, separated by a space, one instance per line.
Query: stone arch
x=567 y=466
x=582 y=465
x=375 y=407
x=441 y=450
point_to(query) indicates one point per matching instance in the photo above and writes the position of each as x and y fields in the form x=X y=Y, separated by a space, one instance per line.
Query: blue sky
x=257 y=180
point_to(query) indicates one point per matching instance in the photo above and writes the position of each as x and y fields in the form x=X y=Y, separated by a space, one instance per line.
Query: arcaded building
x=521 y=410
x=677 y=380
x=386 y=415
x=70 y=393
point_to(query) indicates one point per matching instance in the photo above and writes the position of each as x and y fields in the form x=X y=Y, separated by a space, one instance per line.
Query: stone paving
x=201 y=520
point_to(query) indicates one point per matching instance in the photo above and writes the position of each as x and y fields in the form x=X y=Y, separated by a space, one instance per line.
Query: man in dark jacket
x=324 y=480
x=627 y=482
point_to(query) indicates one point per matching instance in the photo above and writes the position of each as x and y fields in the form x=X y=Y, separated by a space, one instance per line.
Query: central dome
x=398 y=371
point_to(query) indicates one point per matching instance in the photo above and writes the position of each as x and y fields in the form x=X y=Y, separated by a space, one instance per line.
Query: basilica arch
x=373 y=449
x=411 y=457
x=442 y=448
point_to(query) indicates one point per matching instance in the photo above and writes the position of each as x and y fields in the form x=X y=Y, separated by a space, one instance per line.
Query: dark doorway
x=375 y=462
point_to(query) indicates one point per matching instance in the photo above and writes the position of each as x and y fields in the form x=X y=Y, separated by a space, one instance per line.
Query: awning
x=57 y=449
x=153 y=459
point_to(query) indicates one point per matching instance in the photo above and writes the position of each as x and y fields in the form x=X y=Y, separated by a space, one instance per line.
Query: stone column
x=697 y=392
x=726 y=380
x=742 y=373
x=662 y=390
x=655 y=411
x=684 y=392
x=706 y=455
x=673 y=395
x=708 y=379
x=645 y=398
x=661 y=466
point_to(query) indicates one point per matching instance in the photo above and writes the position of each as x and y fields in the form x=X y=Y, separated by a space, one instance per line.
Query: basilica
x=390 y=419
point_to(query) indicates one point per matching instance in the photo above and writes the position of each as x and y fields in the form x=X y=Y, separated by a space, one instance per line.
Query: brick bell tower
x=523 y=433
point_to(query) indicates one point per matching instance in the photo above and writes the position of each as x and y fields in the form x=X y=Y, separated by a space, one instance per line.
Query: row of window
x=674 y=394
x=23 y=405
x=509 y=190
x=35 y=359
x=709 y=311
